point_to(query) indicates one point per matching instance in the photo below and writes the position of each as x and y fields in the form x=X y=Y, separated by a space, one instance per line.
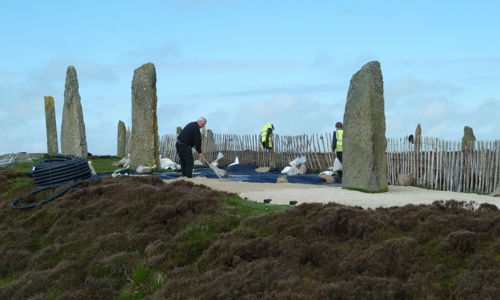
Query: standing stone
x=468 y=140
x=364 y=143
x=418 y=138
x=210 y=141
x=122 y=139
x=73 y=138
x=145 y=146
x=128 y=144
x=50 y=124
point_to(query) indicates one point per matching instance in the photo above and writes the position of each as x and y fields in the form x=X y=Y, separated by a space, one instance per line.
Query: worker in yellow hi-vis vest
x=266 y=142
x=338 y=134
x=266 y=136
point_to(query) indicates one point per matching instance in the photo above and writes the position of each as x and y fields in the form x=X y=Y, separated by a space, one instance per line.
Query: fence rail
x=434 y=163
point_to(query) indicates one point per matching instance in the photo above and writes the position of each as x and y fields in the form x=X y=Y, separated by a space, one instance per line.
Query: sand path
x=283 y=193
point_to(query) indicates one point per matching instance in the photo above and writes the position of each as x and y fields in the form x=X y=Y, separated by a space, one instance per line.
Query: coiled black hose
x=55 y=172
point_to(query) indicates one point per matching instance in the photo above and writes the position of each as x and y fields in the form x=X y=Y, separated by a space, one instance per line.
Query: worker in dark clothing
x=189 y=137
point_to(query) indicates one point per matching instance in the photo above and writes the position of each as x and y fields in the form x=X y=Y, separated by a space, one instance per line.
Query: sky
x=243 y=63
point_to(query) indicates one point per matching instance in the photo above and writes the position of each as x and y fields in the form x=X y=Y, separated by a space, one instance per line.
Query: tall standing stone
x=122 y=139
x=128 y=144
x=468 y=140
x=145 y=146
x=418 y=138
x=364 y=143
x=73 y=138
x=51 y=127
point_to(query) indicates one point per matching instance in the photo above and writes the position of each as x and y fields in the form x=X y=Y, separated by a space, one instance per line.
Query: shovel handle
x=211 y=167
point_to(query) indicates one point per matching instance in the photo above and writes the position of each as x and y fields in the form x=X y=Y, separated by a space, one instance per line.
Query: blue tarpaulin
x=248 y=173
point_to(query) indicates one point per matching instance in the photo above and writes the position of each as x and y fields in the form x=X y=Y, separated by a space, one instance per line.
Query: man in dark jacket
x=189 y=137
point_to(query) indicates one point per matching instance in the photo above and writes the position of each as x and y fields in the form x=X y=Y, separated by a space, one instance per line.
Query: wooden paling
x=435 y=164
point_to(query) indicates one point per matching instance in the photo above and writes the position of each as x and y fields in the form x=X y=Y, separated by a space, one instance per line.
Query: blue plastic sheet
x=242 y=172
x=248 y=173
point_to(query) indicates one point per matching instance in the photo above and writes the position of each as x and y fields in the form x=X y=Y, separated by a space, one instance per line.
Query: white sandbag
x=120 y=162
x=293 y=171
x=220 y=155
x=329 y=173
x=219 y=172
x=302 y=169
x=285 y=169
x=92 y=170
x=144 y=169
x=166 y=163
x=298 y=161
x=337 y=165
x=236 y=161
x=215 y=163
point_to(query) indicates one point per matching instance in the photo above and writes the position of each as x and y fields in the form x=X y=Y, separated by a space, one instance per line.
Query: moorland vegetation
x=143 y=238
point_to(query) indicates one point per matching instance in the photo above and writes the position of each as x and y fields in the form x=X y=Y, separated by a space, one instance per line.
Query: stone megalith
x=364 y=162
x=145 y=146
x=73 y=138
x=418 y=138
x=210 y=141
x=128 y=144
x=468 y=140
x=122 y=139
x=51 y=127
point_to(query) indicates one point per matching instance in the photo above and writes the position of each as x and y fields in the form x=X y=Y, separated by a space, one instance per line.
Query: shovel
x=211 y=167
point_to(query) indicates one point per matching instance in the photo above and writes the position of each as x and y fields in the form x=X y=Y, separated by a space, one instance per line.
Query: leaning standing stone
x=364 y=163
x=145 y=146
x=50 y=123
x=73 y=138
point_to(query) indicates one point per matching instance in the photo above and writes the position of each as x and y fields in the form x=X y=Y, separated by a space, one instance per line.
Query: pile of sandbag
x=167 y=163
x=297 y=167
x=124 y=162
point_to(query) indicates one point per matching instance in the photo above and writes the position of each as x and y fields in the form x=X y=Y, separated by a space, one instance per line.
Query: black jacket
x=190 y=135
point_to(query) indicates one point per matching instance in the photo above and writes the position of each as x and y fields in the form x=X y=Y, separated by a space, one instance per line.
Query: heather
x=141 y=238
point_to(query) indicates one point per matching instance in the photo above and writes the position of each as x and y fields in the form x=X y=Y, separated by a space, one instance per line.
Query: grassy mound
x=140 y=238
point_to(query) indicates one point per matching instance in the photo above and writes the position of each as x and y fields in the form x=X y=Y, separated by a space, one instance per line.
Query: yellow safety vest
x=266 y=140
x=339 y=135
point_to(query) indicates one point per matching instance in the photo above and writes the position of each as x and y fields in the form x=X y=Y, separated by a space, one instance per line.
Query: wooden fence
x=434 y=163
x=247 y=149
x=444 y=165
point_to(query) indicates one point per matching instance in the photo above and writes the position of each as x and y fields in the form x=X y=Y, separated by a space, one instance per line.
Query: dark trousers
x=186 y=158
x=339 y=156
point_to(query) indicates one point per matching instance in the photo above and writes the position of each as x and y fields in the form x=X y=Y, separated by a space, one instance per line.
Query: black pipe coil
x=55 y=172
